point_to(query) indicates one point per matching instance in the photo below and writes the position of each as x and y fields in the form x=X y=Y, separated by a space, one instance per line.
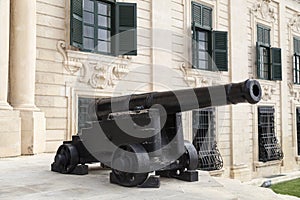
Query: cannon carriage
x=138 y=134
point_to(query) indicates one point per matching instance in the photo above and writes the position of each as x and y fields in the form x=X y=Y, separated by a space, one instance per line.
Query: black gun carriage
x=138 y=134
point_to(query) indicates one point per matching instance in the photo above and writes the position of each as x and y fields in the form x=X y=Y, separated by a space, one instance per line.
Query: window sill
x=199 y=77
x=267 y=164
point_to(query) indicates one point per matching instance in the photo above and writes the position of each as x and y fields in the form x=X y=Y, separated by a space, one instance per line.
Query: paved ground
x=30 y=178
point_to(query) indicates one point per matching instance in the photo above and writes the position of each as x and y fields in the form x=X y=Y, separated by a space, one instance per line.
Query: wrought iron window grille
x=269 y=147
x=204 y=140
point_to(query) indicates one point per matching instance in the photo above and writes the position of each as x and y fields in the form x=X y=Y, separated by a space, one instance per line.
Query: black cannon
x=138 y=134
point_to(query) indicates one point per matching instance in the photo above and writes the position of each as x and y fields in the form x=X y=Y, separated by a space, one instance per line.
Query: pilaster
x=10 y=132
x=161 y=44
x=4 y=54
x=240 y=128
x=22 y=75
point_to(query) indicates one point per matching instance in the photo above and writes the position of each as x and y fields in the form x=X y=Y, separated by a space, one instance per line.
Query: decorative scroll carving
x=268 y=91
x=71 y=65
x=104 y=76
x=295 y=93
x=194 y=79
x=98 y=71
x=264 y=11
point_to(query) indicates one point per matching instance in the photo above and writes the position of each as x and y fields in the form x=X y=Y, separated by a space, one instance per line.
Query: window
x=296 y=61
x=83 y=115
x=269 y=148
x=298 y=129
x=104 y=26
x=204 y=139
x=268 y=59
x=209 y=47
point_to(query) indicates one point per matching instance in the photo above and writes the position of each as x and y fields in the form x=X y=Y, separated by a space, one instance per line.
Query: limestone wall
x=63 y=74
x=50 y=74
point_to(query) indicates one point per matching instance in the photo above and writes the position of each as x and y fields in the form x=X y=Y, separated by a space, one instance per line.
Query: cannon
x=140 y=136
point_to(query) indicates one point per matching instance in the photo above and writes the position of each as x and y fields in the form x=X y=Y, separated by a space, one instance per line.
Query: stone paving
x=30 y=178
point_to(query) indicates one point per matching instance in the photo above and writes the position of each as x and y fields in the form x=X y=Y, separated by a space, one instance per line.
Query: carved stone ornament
x=193 y=79
x=99 y=71
x=263 y=10
x=268 y=91
x=71 y=65
x=294 y=24
x=294 y=92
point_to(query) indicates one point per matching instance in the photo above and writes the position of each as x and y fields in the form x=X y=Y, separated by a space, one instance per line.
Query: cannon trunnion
x=138 y=134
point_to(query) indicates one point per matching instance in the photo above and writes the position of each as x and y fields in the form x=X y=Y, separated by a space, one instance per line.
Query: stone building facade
x=50 y=69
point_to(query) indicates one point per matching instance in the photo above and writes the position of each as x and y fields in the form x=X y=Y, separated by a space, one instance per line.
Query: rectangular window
x=269 y=148
x=83 y=115
x=209 y=47
x=204 y=139
x=104 y=26
x=298 y=130
x=268 y=59
x=296 y=60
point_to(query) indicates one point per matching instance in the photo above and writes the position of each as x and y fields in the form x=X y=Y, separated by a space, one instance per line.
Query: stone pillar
x=240 y=123
x=10 y=135
x=22 y=75
x=4 y=45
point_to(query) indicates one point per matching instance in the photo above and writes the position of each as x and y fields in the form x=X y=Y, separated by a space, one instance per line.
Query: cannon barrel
x=182 y=100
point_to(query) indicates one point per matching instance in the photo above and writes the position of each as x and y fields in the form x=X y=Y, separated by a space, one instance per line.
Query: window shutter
x=276 y=64
x=258 y=60
x=197 y=14
x=298 y=114
x=260 y=34
x=201 y=16
x=220 y=52
x=295 y=63
x=77 y=23
x=263 y=35
x=207 y=18
x=126 y=29
x=297 y=46
x=194 y=47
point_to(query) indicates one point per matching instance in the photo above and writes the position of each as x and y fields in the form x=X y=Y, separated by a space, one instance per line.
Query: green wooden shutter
x=194 y=47
x=297 y=46
x=220 y=52
x=267 y=40
x=197 y=14
x=206 y=18
x=258 y=59
x=260 y=34
x=276 y=64
x=126 y=29
x=263 y=35
x=201 y=16
x=295 y=68
x=77 y=23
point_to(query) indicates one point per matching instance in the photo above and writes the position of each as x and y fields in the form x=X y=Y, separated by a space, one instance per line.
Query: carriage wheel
x=130 y=164
x=66 y=158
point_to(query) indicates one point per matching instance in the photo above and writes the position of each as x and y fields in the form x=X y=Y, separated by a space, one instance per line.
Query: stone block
x=10 y=133
x=241 y=173
x=33 y=132
x=52 y=146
